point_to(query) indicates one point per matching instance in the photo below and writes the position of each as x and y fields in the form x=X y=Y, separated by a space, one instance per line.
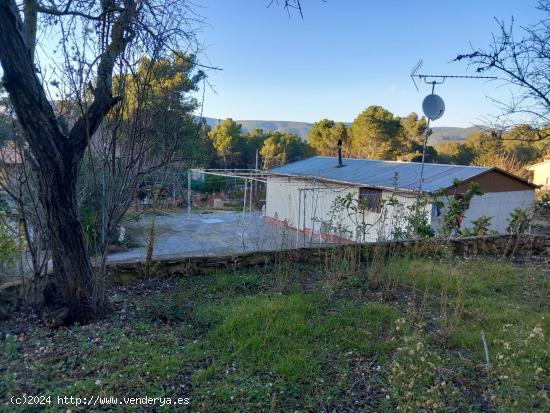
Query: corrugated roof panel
x=386 y=174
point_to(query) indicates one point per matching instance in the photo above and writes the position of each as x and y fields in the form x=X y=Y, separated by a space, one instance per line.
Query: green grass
x=237 y=341
x=292 y=348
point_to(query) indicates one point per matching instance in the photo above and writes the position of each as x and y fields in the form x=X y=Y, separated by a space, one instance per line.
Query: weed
x=419 y=379
x=10 y=349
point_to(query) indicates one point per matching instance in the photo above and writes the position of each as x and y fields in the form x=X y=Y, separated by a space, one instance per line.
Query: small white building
x=541 y=173
x=301 y=195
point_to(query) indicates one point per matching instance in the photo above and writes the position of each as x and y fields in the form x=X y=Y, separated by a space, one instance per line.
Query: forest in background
x=376 y=133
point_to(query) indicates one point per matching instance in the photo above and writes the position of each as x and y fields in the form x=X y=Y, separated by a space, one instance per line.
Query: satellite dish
x=433 y=106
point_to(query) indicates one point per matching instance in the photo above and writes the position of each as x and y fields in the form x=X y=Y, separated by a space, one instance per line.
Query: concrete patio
x=206 y=234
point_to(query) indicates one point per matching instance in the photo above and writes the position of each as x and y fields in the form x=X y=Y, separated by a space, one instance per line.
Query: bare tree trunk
x=72 y=284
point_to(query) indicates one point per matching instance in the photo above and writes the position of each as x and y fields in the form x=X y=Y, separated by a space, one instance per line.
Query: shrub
x=213 y=183
x=519 y=221
x=543 y=203
x=481 y=227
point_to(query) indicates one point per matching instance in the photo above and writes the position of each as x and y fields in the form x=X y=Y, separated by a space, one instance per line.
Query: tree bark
x=72 y=285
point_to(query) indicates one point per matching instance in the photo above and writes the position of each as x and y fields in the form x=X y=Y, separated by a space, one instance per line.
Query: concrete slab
x=218 y=233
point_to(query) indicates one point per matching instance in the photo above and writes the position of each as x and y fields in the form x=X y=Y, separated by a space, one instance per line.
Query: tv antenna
x=433 y=105
x=439 y=79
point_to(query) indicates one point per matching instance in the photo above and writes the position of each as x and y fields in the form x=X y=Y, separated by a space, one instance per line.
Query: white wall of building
x=288 y=199
x=498 y=205
x=541 y=174
x=304 y=203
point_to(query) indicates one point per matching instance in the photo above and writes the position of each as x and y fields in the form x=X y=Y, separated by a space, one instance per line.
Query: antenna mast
x=434 y=80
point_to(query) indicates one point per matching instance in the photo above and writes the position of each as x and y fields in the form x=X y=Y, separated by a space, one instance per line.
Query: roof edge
x=353 y=184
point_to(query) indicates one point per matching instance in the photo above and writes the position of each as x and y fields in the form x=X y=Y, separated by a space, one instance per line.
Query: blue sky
x=346 y=55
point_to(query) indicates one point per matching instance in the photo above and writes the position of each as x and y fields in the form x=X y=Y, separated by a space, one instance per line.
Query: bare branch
x=522 y=63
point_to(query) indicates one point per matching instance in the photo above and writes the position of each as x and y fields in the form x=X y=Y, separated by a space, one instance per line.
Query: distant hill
x=299 y=128
x=449 y=133
x=440 y=133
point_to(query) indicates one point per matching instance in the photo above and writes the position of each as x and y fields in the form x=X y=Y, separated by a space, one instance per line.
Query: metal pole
x=423 y=156
x=251 y=188
x=256 y=183
x=299 y=216
x=244 y=198
x=189 y=192
x=304 y=223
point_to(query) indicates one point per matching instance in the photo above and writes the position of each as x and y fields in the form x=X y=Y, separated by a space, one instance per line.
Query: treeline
x=236 y=149
x=375 y=134
x=511 y=151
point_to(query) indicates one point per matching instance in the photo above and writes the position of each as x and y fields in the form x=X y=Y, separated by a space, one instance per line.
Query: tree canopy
x=280 y=148
x=375 y=134
x=225 y=137
x=324 y=136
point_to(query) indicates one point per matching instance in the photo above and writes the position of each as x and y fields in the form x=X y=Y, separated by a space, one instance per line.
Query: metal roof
x=381 y=174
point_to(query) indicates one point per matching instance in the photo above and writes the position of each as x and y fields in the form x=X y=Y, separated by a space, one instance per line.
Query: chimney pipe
x=340 y=164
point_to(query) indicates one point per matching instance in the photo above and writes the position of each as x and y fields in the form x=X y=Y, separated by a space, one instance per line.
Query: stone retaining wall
x=531 y=247
x=517 y=247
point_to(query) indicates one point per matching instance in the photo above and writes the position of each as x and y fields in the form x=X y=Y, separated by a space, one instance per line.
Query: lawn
x=401 y=335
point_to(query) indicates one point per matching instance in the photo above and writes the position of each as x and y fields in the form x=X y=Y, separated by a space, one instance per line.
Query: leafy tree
x=506 y=161
x=454 y=153
x=523 y=141
x=8 y=245
x=456 y=205
x=281 y=148
x=197 y=148
x=411 y=139
x=519 y=221
x=157 y=101
x=151 y=129
x=511 y=151
x=225 y=136
x=248 y=145
x=7 y=132
x=375 y=134
x=324 y=135
x=413 y=128
x=482 y=143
